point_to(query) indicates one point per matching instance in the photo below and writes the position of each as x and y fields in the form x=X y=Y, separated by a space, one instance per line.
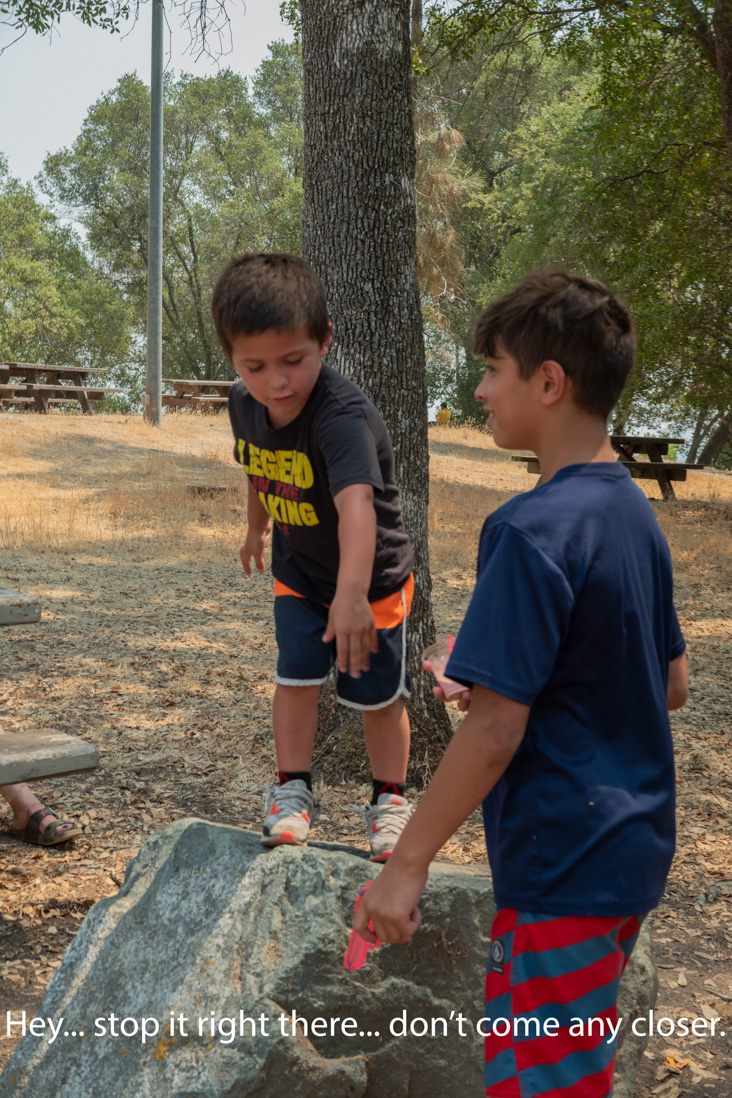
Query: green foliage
x=41 y=16
x=462 y=27
x=56 y=306
x=232 y=183
x=452 y=374
x=612 y=161
x=290 y=14
x=625 y=176
x=484 y=99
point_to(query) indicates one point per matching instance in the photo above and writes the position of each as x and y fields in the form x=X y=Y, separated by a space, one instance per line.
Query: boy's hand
x=391 y=904
x=351 y=619
x=253 y=548
x=463 y=700
x=351 y=624
x=259 y=524
x=474 y=760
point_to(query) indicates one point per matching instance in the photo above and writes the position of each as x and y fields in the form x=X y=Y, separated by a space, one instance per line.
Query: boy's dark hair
x=575 y=321
x=268 y=290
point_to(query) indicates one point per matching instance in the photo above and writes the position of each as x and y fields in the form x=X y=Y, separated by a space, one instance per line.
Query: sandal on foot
x=51 y=835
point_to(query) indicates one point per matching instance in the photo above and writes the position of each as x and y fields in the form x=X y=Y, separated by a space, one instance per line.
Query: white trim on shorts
x=300 y=682
x=401 y=691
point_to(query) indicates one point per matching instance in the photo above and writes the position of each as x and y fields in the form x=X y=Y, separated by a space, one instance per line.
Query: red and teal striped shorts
x=551 y=1017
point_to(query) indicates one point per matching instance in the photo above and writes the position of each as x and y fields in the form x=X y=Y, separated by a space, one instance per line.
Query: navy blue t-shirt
x=573 y=615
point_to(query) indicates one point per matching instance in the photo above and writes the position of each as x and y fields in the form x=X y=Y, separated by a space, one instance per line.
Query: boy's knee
x=294 y=690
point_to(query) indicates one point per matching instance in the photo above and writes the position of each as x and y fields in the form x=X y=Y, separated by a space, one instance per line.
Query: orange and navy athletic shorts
x=551 y=1015
x=304 y=660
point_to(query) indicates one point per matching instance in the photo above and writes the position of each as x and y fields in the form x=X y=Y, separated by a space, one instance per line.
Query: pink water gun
x=355 y=955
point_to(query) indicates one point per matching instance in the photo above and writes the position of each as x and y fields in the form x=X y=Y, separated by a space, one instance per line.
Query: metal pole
x=153 y=394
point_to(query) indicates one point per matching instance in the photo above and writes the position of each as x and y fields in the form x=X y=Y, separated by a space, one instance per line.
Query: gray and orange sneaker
x=385 y=821
x=289 y=810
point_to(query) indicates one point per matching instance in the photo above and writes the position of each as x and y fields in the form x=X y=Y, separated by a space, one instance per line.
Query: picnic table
x=35 y=386
x=44 y=753
x=212 y=396
x=655 y=449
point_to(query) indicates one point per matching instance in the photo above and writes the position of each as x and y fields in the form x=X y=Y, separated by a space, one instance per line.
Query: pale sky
x=47 y=86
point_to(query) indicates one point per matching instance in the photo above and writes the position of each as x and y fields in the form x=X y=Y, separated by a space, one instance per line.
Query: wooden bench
x=626 y=446
x=212 y=403
x=46 y=392
x=44 y=753
x=206 y=395
x=532 y=463
x=191 y=386
x=26 y=403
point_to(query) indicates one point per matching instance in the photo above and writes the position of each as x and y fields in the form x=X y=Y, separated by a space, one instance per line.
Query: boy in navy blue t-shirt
x=572 y=654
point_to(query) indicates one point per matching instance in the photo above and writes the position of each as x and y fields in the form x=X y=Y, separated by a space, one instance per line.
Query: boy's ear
x=326 y=341
x=553 y=381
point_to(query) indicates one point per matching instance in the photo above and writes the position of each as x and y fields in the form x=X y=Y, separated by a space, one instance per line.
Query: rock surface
x=637 y=996
x=208 y=925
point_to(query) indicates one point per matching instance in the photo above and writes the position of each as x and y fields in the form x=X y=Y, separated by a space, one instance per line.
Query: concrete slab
x=17 y=609
x=43 y=753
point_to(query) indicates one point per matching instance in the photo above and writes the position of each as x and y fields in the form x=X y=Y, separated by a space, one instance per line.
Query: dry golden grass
x=477 y=447
x=470 y=477
x=78 y=482
x=117 y=484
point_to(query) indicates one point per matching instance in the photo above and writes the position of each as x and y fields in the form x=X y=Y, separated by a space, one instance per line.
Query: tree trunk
x=359 y=233
x=620 y=413
x=717 y=441
x=704 y=423
x=722 y=25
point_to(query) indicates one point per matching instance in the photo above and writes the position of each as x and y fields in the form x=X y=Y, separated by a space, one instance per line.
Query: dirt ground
x=154 y=646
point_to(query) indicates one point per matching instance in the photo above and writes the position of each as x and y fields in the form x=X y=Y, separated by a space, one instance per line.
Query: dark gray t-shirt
x=337 y=440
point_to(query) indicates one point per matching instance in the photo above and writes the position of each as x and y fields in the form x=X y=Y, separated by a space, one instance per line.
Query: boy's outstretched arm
x=351 y=620
x=475 y=759
x=678 y=682
x=259 y=525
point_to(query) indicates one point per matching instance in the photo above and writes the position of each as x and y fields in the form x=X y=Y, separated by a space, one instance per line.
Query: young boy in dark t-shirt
x=572 y=653
x=321 y=479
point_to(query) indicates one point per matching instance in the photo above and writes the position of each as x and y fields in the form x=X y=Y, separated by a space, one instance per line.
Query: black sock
x=386 y=787
x=296 y=775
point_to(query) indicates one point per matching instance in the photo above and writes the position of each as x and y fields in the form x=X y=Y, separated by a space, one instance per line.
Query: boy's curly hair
x=265 y=290
x=578 y=322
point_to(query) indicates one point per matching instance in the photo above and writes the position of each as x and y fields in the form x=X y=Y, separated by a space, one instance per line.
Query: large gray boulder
x=209 y=926
x=636 y=998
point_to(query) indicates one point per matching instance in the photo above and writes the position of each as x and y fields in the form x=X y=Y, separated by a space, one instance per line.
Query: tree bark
x=722 y=25
x=705 y=421
x=620 y=417
x=717 y=441
x=359 y=233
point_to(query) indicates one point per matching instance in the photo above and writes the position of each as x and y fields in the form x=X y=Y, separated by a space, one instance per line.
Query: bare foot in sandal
x=34 y=823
